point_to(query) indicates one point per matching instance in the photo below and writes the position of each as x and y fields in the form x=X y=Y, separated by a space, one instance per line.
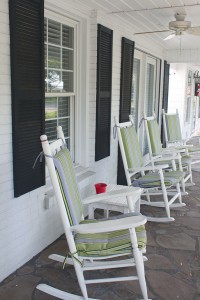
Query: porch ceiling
x=151 y=15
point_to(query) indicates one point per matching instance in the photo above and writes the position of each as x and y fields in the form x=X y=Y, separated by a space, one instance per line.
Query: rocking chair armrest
x=167 y=156
x=129 y=191
x=186 y=146
x=179 y=145
x=110 y=225
x=149 y=168
x=173 y=150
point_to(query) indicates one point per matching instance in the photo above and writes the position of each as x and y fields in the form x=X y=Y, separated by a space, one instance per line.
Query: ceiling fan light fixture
x=181 y=25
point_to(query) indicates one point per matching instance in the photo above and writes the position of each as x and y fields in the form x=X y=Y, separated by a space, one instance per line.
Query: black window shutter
x=127 y=57
x=104 y=91
x=165 y=86
x=27 y=85
x=126 y=79
x=165 y=95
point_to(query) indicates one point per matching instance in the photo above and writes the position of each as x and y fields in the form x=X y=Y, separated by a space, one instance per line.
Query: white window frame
x=151 y=61
x=145 y=58
x=81 y=122
x=71 y=95
x=137 y=90
x=140 y=56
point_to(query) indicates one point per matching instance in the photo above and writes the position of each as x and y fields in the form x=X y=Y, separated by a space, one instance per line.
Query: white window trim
x=81 y=87
x=144 y=60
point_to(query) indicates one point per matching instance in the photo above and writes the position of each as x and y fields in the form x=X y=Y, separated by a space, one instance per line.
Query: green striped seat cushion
x=68 y=185
x=109 y=243
x=131 y=147
x=185 y=161
x=154 y=135
x=152 y=180
x=173 y=128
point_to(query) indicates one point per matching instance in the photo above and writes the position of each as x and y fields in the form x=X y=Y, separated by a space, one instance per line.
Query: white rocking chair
x=173 y=136
x=92 y=243
x=155 y=149
x=107 y=203
x=148 y=175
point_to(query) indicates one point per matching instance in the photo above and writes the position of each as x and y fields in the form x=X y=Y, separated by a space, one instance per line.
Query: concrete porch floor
x=172 y=269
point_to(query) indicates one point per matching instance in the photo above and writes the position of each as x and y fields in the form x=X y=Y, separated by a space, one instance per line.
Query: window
x=150 y=89
x=145 y=96
x=150 y=92
x=135 y=91
x=60 y=69
x=188 y=110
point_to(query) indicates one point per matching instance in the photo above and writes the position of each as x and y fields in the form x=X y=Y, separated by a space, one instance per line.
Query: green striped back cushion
x=109 y=243
x=68 y=185
x=173 y=128
x=131 y=147
x=154 y=134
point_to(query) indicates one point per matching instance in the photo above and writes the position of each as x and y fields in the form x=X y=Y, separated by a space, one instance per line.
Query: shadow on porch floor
x=172 y=271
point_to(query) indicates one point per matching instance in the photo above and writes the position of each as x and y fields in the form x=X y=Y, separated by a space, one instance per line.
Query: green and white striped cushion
x=173 y=128
x=185 y=161
x=109 y=243
x=154 y=135
x=68 y=185
x=131 y=147
x=152 y=180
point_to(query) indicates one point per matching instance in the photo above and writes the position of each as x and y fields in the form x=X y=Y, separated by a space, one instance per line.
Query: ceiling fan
x=178 y=27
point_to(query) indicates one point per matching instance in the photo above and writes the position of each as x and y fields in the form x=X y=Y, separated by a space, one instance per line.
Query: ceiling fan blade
x=169 y=37
x=194 y=30
x=146 y=32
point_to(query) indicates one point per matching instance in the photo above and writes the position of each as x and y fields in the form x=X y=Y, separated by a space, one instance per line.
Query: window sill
x=82 y=174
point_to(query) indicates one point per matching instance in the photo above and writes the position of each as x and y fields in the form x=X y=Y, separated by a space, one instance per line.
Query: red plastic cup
x=100 y=187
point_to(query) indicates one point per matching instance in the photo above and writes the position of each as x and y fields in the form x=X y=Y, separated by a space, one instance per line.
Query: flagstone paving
x=172 y=269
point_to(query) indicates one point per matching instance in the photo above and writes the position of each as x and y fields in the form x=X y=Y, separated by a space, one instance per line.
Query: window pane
x=54 y=57
x=50 y=129
x=54 y=32
x=54 y=81
x=45 y=56
x=68 y=59
x=45 y=30
x=135 y=91
x=51 y=108
x=149 y=102
x=63 y=107
x=68 y=78
x=65 y=123
x=59 y=78
x=149 y=90
x=68 y=36
x=188 y=109
x=46 y=81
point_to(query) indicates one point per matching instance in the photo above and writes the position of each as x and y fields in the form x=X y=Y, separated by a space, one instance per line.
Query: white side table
x=117 y=204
